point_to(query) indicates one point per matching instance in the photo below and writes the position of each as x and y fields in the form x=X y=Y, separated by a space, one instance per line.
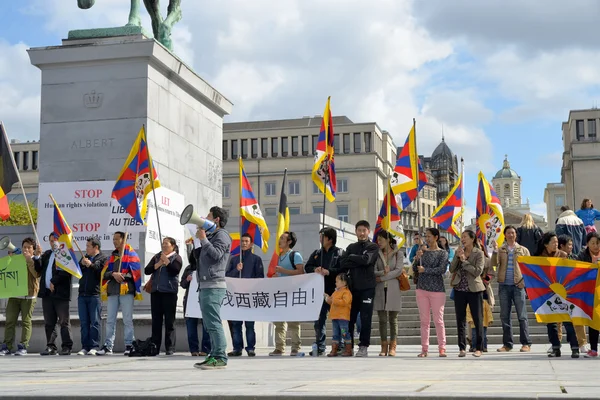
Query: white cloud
x=551 y=159
x=540 y=209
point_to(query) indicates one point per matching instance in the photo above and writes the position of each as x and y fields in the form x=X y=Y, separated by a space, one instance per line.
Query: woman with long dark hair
x=466 y=269
x=164 y=268
x=591 y=254
x=588 y=215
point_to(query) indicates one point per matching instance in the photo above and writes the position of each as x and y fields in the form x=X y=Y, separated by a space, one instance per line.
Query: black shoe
x=575 y=353
x=234 y=354
x=319 y=353
x=555 y=353
x=471 y=349
x=169 y=352
x=251 y=353
x=65 y=351
x=49 y=352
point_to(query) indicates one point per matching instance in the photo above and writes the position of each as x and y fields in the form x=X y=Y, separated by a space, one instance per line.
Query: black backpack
x=143 y=348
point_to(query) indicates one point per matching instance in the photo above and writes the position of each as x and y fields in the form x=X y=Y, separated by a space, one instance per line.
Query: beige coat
x=500 y=261
x=473 y=266
x=393 y=300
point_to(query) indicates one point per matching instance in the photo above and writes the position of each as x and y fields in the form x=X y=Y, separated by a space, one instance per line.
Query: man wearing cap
x=55 y=292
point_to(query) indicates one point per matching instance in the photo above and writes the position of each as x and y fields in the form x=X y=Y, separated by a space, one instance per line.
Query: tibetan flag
x=235 y=244
x=8 y=174
x=389 y=218
x=283 y=225
x=129 y=264
x=489 y=215
x=253 y=221
x=562 y=290
x=323 y=172
x=65 y=255
x=135 y=180
x=408 y=178
x=449 y=212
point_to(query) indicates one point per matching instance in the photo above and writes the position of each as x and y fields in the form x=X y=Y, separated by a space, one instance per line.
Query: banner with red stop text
x=291 y=298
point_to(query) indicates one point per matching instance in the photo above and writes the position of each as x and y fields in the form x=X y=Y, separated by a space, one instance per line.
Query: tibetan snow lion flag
x=562 y=290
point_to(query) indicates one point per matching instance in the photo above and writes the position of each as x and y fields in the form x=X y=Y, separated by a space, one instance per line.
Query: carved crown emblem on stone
x=92 y=99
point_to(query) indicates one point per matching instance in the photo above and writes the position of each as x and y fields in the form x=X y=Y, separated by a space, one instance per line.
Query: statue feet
x=134 y=21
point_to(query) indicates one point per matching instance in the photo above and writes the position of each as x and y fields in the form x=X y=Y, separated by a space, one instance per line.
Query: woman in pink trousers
x=429 y=267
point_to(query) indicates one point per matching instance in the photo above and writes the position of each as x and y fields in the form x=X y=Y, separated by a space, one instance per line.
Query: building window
x=17 y=156
x=270 y=211
x=294 y=187
x=317 y=209
x=254 y=148
x=346 y=143
x=315 y=188
x=264 y=147
x=342 y=185
x=336 y=144
x=284 y=146
x=25 y=160
x=343 y=213
x=234 y=149
x=357 y=143
x=34 y=162
x=294 y=210
x=304 y=145
x=270 y=189
x=315 y=140
x=295 y=149
x=579 y=129
x=244 y=148
x=592 y=128
x=506 y=190
x=559 y=200
x=367 y=142
x=226 y=190
x=224 y=149
x=274 y=146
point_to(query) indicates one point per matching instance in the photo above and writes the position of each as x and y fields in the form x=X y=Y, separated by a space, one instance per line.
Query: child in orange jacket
x=340 y=301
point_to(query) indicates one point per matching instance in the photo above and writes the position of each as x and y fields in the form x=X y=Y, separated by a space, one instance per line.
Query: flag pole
x=418 y=193
x=325 y=182
x=151 y=168
x=462 y=203
x=241 y=217
x=73 y=241
x=14 y=163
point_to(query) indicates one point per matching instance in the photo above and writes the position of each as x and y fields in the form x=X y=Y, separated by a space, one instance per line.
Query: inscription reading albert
x=93 y=99
x=92 y=143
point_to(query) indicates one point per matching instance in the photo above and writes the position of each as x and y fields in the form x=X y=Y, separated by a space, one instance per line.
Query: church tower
x=507 y=184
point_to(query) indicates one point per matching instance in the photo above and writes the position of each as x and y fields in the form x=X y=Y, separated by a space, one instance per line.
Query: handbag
x=404 y=283
x=148 y=285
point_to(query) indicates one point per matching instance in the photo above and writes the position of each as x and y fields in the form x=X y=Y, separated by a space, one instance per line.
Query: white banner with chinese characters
x=293 y=298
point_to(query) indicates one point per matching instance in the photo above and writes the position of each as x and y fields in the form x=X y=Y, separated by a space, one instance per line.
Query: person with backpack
x=324 y=261
x=529 y=234
x=290 y=263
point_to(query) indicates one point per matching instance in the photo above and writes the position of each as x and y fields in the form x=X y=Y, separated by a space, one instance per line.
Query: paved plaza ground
x=512 y=375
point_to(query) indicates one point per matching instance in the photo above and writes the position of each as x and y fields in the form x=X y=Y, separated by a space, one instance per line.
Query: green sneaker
x=214 y=363
x=206 y=360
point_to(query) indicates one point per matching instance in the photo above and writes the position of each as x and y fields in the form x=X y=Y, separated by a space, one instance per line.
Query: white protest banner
x=86 y=206
x=170 y=206
x=291 y=298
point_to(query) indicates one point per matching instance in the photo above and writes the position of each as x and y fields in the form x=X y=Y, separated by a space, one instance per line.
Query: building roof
x=506 y=171
x=442 y=150
x=283 y=123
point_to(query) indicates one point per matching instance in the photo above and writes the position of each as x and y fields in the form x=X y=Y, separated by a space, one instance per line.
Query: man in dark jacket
x=568 y=223
x=88 y=303
x=324 y=261
x=250 y=267
x=359 y=260
x=55 y=292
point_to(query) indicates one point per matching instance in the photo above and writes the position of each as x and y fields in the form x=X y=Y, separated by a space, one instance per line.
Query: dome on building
x=442 y=151
x=506 y=172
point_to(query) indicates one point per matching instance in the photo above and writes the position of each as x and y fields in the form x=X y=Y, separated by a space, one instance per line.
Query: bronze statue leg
x=134 y=14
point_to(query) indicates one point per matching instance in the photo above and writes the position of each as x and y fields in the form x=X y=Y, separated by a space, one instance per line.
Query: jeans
x=362 y=302
x=14 y=307
x=238 y=338
x=385 y=318
x=320 y=330
x=475 y=302
x=112 y=308
x=89 y=308
x=57 y=310
x=210 y=306
x=474 y=338
x=358 y=324
x=192 y=334
x=163 y=307
x=340 y=331
x=431 y=302
x=509 y=295
x=571 y=335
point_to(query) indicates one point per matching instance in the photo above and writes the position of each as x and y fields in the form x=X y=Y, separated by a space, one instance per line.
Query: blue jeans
x=320 y=330
x=112 y=308
x=474 y=337
x=210 y=306
x=238 y=338
x=192 y=334
x=341 y=331
x=510 y=294
x=358 y=324
x=89 y=308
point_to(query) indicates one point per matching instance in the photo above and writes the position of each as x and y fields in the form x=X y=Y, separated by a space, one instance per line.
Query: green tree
x=19 y=215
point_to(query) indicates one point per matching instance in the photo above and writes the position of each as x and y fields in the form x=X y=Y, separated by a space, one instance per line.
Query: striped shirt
x=510 y=268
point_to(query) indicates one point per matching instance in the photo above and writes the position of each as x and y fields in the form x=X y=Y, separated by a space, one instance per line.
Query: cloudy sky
x=499 y=75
